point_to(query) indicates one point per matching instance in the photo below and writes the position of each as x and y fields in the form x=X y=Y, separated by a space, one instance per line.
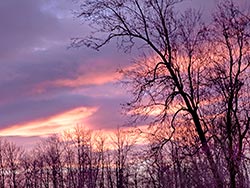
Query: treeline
x=83 y=158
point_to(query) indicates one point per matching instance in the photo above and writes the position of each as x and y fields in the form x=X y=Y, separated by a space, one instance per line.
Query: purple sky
x=42 y=80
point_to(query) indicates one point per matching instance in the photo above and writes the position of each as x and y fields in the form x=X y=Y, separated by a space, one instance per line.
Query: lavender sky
x=47 y=88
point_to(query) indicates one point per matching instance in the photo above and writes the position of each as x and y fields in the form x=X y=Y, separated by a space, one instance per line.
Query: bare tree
x=52 y=155
x=123 y=142
x=81 y=140
x=175 y=79
x=70 y=160
x=29 y=168
x=3 y=144
x=230 y=83
x=13 y=156
x=100 y=150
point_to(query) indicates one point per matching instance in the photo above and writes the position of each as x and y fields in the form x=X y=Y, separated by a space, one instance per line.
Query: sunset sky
x=47 y=87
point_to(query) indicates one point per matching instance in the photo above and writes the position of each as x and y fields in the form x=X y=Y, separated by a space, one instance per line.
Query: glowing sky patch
x=85 y=80
x=51 y=125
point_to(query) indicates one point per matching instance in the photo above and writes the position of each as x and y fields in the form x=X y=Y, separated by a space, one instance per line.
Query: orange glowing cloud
x=50 y=125
x=81 y=80
x=86 y=80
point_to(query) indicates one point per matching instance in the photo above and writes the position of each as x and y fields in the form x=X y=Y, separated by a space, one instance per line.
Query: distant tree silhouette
x=2 y=162
x=13 y=156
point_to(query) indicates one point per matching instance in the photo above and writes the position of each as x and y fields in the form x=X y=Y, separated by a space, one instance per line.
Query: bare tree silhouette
x=193 y=75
